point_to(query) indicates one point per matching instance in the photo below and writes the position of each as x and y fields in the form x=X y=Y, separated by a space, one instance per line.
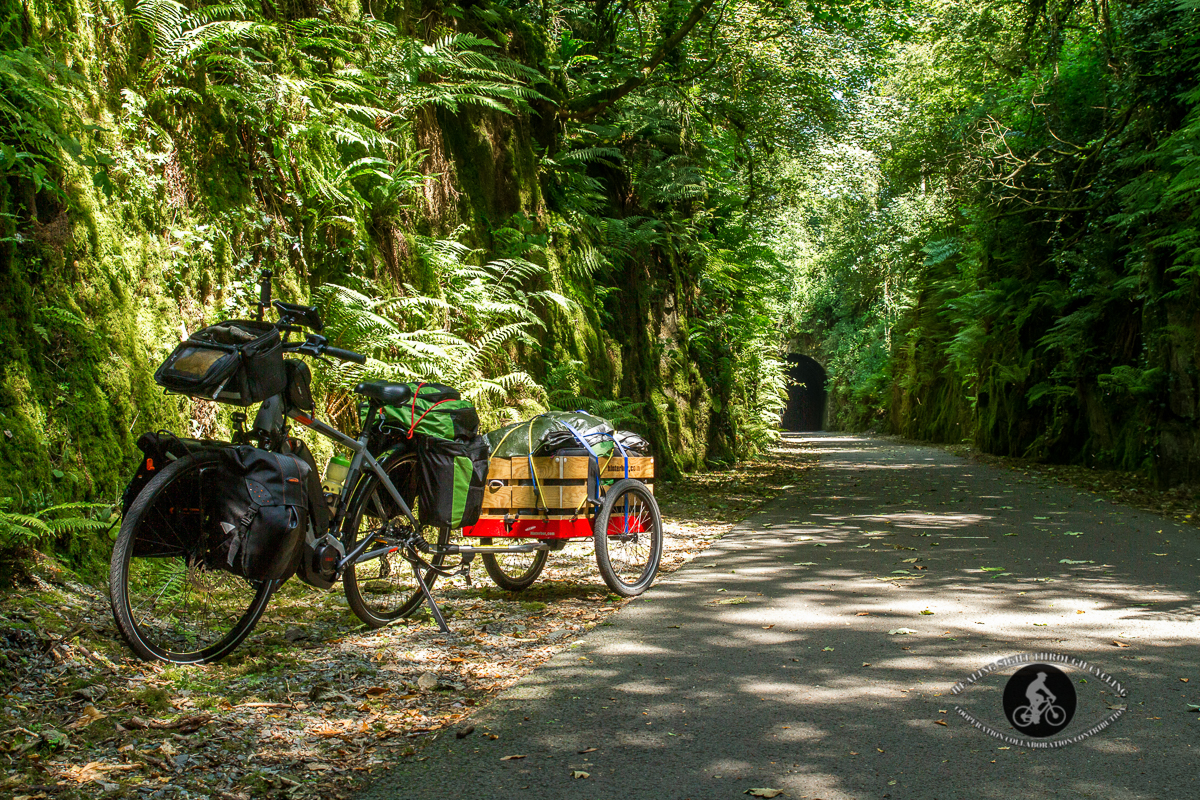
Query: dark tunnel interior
x=806 y=398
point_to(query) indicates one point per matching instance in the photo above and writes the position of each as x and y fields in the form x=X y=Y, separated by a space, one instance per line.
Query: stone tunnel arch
x=806 y=398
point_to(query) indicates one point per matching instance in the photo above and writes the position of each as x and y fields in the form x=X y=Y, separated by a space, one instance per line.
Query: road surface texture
x=767 y=662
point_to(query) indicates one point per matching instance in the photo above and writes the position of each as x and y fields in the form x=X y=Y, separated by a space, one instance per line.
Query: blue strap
x=622 y=451
x=581 y=440
x=591 y=453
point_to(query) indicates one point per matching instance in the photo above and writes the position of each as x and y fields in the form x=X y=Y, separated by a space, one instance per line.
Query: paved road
x=767 y=661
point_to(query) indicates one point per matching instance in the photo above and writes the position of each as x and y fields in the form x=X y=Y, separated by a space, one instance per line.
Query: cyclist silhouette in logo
x=1041 y=700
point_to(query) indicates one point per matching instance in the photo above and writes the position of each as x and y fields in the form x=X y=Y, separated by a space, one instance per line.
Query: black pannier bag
x=317 y=508
x=159 y=448
x=452 y=474
x=176 y=525
x=261 y=503
x=238 y=362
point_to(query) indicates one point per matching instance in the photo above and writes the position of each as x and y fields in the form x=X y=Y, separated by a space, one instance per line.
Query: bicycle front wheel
x=383 y=588
x=628 y=534
x=171 y=598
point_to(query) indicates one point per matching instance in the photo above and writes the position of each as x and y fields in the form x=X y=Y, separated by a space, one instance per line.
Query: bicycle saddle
x=389 y=394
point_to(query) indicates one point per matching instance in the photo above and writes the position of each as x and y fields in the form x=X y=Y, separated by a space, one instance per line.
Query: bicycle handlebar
x=344 y=355
x=314 y=345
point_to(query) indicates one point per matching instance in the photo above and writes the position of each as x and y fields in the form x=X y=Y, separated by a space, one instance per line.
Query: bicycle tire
x=1023 y=717
x=178 y=605
x=370 y=596
x=625 y=552
x=1055 y=715
x=503 y=574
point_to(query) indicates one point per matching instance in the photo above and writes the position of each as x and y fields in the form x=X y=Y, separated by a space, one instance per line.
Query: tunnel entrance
x=806 y=399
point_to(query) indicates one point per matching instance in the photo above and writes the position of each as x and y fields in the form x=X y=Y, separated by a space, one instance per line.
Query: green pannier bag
x=452 y=458
x=451 y=477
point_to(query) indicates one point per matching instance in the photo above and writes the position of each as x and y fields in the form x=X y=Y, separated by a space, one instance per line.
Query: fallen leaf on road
x=1119 y=644
x=1073 y=533
x=1193 y=707
x=88 y=715
x=940 y=722
x=587 y=750
x=1069 y=561
x=863 y=614
x=900 y=631
x=763 y=792
x=805 y=564
x=1184 y=680
x=732 y=601
x=95 y=770
x=927 y=612
x=511 y=758
x=992 y=569
x=578 y=773
x=910 y=561
x=827 y=649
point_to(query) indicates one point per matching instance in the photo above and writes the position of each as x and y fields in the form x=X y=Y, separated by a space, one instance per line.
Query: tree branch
x=588 y=107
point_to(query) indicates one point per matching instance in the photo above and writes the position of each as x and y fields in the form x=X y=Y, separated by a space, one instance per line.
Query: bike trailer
x=550 y=497
x=238 y=362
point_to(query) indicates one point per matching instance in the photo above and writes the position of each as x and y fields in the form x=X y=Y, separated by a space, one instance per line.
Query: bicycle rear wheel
x=384 y=588
x=171 y=598
x=629 y=538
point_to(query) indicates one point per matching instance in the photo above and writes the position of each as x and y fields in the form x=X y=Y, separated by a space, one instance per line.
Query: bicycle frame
x=363 y=461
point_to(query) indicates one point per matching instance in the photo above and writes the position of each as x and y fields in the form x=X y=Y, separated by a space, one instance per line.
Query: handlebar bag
x=239 y=362
x=450 y=478
x=261 y=504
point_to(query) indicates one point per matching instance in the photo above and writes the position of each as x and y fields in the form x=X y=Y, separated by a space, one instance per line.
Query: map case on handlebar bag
x=238 y=362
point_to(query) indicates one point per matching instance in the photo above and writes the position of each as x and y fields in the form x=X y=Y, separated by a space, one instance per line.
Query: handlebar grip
x=345 y=355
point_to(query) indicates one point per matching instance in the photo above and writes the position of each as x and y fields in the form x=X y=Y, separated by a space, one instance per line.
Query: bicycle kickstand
x=437 y=613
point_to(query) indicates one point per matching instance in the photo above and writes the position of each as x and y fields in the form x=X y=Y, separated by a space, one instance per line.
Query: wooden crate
x=563 y=482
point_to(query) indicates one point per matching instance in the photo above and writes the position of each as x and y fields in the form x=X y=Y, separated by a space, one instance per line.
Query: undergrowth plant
x=467 y=338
